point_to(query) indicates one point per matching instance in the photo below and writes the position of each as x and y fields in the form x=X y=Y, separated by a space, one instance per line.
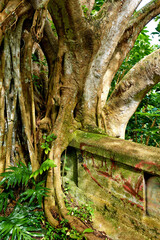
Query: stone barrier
x=122 y=179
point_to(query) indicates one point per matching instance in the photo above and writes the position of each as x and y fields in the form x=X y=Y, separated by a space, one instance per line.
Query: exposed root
x=49 y=215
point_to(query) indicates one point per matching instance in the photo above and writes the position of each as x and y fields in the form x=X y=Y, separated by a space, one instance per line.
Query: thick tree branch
x=39 y=4
x=146 y=13
x=129 y=93
x=100 y=63
x=73 y=35
x=135 y=26
x=12 y=10
x=105 y=16
x=68 y=18
x=137 y=23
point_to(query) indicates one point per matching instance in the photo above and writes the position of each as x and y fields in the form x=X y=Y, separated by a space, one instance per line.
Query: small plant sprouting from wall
x=84 y=212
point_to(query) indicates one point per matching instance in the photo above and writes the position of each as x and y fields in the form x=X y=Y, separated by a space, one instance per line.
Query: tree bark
x=83 y=54
x=129 y=92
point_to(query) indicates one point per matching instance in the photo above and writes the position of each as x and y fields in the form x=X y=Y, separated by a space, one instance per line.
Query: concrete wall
x=122 y=179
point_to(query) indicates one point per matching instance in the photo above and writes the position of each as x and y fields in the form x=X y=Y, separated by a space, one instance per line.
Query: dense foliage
x=21 y=213
x=20 y=201
x=144 y=125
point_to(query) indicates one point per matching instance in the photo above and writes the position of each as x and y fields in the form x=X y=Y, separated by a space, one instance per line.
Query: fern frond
x=4 y=196
x=44 y=167
x=37 y=193
x=16 y=175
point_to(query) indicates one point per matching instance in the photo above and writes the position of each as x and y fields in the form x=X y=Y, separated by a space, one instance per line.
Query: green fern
x=4 y=196
x=44 y=167
x=21 y=224
x=16 y=175
x=37 y=193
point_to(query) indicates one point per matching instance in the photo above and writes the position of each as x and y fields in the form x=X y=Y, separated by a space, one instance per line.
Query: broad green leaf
x=88 y=230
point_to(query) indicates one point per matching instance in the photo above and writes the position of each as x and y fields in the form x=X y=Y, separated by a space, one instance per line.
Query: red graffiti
x=139 y=184
x=141 y=164
x=113 y=166
x=132 y=203
x=105 y=174
x=87 y=170
x=117 y=177
x=81 y=146
x=93 y=162
x=127 y=186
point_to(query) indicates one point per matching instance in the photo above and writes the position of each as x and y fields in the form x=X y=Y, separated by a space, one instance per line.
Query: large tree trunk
x=83 y=58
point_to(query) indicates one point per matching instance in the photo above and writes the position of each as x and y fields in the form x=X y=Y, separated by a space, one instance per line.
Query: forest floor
x=59 y=232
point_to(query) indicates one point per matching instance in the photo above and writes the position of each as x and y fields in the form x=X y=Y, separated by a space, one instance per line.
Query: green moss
x=92 y=129
x=89 y=135
x=132 y=154
x=116 y=209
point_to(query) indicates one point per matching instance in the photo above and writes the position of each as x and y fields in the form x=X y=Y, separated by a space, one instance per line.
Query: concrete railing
x=122 y=179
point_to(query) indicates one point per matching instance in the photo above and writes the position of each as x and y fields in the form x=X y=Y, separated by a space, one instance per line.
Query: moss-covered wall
x=126 y=195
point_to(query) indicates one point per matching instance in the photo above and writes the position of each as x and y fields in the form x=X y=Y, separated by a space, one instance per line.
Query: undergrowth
x=21 y=201
x=83 y=211
x=64 y=232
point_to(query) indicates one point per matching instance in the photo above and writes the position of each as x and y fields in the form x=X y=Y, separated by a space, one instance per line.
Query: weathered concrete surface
x=122 y=179
x=133 y=154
